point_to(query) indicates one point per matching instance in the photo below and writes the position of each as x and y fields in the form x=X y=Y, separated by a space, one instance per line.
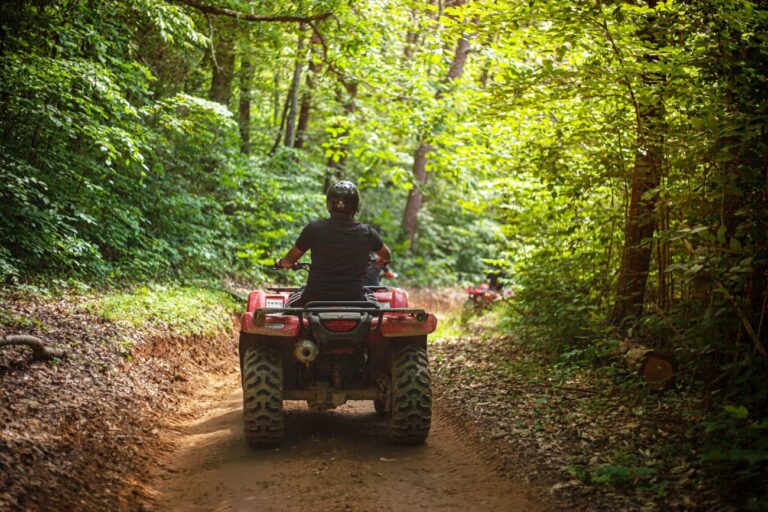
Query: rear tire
x=262 y=396
x=411 y=414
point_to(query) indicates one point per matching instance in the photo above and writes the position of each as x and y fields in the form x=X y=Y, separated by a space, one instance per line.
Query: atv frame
x=329 y=352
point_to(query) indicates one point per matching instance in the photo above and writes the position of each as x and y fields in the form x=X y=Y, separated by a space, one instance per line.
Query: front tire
x=411 y=414
x=262 y=396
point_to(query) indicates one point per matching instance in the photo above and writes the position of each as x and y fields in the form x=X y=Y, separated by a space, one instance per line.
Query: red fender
x=403 y=325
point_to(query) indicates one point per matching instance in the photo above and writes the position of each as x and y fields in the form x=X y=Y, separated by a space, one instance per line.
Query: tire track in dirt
x=339 y=460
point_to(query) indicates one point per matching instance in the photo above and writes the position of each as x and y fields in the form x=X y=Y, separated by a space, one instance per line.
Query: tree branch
x=279 y=18
x=39 y=349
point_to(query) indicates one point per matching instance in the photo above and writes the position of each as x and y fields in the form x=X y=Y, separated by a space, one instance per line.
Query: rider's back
x=340 y=247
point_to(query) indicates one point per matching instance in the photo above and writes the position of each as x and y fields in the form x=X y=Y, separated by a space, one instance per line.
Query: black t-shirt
x=340 y=247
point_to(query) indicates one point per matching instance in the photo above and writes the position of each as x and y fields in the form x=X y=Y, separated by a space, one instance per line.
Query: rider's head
x=342 y=198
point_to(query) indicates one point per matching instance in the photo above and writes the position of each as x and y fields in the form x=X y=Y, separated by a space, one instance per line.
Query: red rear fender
x=400 y=325
x=261 y=299
x=399 y=298
x=256 y=299
x=270 y=325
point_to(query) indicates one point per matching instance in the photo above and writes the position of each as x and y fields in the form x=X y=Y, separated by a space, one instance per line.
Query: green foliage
x=19 y=321
x=736 y=447
x=105 y=180
x=172 y=309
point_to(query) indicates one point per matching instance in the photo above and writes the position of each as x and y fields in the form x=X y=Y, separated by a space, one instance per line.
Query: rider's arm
x=291 y=257
x=383 y=255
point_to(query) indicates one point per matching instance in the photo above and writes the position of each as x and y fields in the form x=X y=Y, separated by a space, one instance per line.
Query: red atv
x=482 y=296
x=329 y=352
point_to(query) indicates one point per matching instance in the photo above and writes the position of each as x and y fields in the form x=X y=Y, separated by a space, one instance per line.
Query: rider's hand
x=281 y=263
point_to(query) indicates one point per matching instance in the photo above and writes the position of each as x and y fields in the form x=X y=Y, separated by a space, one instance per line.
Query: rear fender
x=287 y=326
x=398 y=325
x=261 y=299
x=399 y=298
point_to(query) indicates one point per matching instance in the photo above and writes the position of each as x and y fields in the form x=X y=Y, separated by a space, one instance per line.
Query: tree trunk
x=416 y=195
x=306 y=106
x=306 y=98
x=223 y=59
x=656 y=368
x=246 y=81
x=290 y=129
x=641 y=216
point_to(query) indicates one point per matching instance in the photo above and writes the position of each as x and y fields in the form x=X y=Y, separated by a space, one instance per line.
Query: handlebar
x=299 y=265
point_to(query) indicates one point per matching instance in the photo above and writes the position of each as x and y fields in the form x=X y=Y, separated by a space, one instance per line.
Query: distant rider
x=375 y=272
x=340 y=247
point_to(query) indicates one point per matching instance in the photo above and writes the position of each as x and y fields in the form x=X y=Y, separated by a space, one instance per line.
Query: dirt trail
x=340 y=460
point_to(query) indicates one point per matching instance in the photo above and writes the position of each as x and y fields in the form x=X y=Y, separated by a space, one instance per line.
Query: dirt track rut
x=339 y=460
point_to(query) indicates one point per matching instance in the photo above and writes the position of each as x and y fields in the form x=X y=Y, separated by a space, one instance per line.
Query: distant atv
x=482 y=296
x=329 y=352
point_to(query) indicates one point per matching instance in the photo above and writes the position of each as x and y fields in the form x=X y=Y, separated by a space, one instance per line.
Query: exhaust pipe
x=305 y=352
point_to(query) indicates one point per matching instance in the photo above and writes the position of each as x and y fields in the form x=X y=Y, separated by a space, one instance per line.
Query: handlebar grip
x=299 y=265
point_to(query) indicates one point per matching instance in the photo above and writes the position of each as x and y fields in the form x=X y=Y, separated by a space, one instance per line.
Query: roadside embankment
x=80 y=433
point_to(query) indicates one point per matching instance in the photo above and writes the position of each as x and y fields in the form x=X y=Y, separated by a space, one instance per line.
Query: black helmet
x=342 y=197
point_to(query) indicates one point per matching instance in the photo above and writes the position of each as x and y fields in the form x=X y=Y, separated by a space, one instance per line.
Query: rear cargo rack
x=327 y=307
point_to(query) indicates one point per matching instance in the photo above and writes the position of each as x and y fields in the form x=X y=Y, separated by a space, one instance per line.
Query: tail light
x=488 y=295
x=340 y=325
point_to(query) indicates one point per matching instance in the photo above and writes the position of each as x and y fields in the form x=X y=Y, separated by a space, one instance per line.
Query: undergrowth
x=180 y=310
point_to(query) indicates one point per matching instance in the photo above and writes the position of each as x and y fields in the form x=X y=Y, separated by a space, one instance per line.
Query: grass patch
x=179 y=310
x=19 y=321
x=448 y=326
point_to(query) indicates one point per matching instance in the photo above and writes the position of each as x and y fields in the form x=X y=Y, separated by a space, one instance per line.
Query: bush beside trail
x=81 y=433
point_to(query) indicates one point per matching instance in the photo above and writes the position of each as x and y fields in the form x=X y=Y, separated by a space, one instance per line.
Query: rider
x=340 y=247
x=375 y=271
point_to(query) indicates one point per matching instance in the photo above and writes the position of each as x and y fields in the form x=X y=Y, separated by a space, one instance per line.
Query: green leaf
x=739 y=412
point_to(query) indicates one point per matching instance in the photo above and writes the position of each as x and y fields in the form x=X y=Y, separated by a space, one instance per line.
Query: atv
x=329 y=352
x=482 y=296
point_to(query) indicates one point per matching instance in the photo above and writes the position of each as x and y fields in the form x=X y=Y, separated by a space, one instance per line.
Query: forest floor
x=82 y=432
x=155 y=424
x=585 y=437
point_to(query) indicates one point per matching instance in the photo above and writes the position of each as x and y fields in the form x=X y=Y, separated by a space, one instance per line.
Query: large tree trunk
x=223 y=59
x=641 y=216
x=246 y=81
x=416 y=195
x=290 y=129
x=640 y=223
